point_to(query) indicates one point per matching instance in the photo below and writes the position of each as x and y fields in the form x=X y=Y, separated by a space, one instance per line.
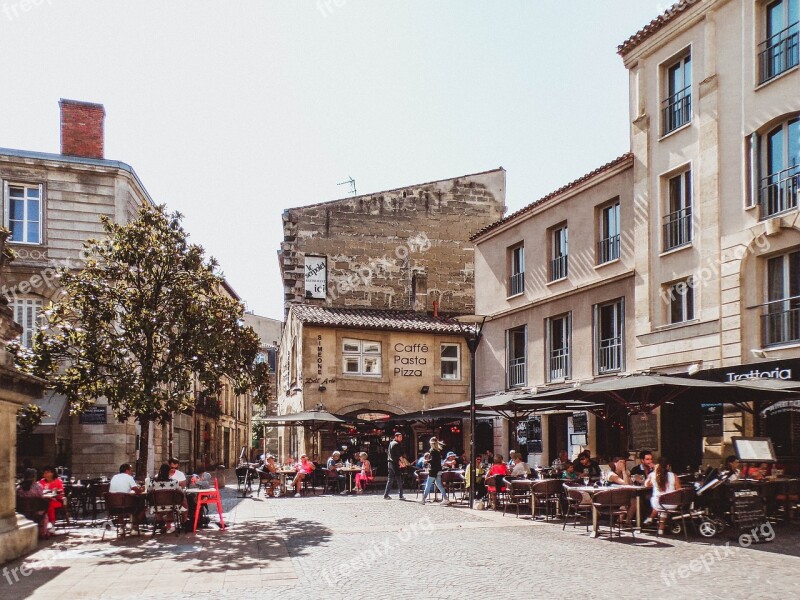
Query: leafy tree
x=143 y=318
x=29 y=418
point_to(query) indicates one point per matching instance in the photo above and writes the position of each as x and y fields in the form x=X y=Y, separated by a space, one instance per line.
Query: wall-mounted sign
x=712 y=419
x=316 y=273
x=408 y=358
x=535 y=435
x=643 y=432
x=94 y=415
x=580 y=422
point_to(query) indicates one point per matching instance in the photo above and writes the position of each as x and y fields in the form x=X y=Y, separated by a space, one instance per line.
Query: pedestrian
x=435 y=473
x=394 y=456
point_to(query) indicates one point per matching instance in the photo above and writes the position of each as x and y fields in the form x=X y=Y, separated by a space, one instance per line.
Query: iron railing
x=678 y=228
x=609 y=355
x=558 y=267
x=516 y=372
x=780 y=326
x=608 y=249
x=559 y=363
x=779 y=53
x=677 y=110
x=516 y=283
x=780 y=191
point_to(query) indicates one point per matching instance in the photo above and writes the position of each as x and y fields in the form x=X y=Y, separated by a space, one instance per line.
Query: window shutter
x=596 y=337
x=5 y=204
x=568 y=366
x=41 y=214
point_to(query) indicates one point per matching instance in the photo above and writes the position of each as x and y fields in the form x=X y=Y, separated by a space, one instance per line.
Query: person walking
x=394 y=456
x=435 y=473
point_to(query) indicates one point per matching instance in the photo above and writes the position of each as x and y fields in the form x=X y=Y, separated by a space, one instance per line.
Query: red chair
x=206 y=497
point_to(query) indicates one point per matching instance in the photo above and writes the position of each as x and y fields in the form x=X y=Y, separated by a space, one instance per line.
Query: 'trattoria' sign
x=776 y=373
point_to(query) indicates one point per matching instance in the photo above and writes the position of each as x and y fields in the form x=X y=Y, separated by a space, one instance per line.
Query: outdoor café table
x=283 y=473
x=350 y=474
x=638 y=490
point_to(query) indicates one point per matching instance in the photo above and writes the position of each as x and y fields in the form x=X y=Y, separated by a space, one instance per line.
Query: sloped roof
x=366 y=318
x=606 y=167
x=653 y=26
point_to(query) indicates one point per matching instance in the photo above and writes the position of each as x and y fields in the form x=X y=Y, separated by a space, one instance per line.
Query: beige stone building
x=556 y=281
x=715 y=135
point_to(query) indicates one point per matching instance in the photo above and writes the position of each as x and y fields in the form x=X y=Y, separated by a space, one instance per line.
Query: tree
x=29 y=418
x=142 y=319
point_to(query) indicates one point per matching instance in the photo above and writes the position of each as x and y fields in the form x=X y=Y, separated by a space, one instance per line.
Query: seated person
x=757 y=472
x=645 y=466
x=163 y=514
x=423 y=461
x=587 y=467
x=462 y=460
x=366 y=476
x=124 y=483
x=304 y=468
x=561 y=460
x=497 y=468
x=487 y=458
x=521 y=468
x=450 y=461
x=175 y=473
x=52 y=485
x=480 y=486
x=333 y=465
x=568 y=471
x=268 y=475
x=510 y=463
x=30 y=488
x=618 y=475
x=732 y=466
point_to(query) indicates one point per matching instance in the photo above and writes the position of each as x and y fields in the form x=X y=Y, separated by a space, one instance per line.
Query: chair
x=614 y=504
x=577 y=505
x=676 y=504
x=547 y=494
x=496 y=489
x=519 y=494
x=205 y=498
x=241 y=475
x=267 y=481
x=97 y=494
x=330 y=480
x=167 y=505
x=120 y=507
x=420 y=479
x=35 y=509
x=453 y=484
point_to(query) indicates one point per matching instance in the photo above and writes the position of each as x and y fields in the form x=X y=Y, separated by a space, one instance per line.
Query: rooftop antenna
x=352 y=183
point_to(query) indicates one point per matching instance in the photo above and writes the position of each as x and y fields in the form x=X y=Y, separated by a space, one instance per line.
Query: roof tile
x=366 y=318
x=654 y=25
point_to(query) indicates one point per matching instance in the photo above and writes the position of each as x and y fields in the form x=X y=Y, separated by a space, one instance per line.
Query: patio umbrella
x=313 y=420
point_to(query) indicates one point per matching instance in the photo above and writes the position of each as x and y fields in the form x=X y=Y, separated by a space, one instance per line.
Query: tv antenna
x=352 y=183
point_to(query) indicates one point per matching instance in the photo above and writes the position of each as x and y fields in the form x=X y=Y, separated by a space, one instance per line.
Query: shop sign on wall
x=408 y=359
x=316 y=274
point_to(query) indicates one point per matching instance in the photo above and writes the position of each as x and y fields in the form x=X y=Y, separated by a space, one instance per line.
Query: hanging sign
x=712 y=419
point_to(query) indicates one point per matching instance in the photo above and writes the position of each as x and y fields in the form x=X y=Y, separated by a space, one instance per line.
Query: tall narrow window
x=781 y=187
x=450 y=361
x=558 y=347
x=677 y=106
x=678 y=220
x=27 y=312
x=516 y=278
x=24 y=213
x=781 y=320
x=516 y=340
x=779 y=51
x=608 y=327
x=608 y=246
x=560 y=252
x=680 y=296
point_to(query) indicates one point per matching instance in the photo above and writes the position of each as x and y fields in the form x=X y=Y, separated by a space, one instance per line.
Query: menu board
x=535 y=435
x=754 y=449
x=747 y=509
x=580 y=422
x=643 y=432
x=712 y=419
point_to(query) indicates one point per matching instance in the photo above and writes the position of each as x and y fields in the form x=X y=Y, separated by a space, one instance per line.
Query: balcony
x=779 y=53
x=676 y=110
x=780 y=326
x=678 y=228
x=558 y=268
x=780 y=192
x=559 y=364
x=609 y=355
x=516 y=284
x=608 y=249
x=516 y=372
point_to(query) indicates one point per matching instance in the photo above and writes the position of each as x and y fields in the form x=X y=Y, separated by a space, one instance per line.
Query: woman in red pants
x=51 y=483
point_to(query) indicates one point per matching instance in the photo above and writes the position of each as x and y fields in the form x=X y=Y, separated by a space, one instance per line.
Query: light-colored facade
x=556 y=282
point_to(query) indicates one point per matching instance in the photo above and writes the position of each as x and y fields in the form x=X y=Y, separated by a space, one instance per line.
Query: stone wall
x=399 y=249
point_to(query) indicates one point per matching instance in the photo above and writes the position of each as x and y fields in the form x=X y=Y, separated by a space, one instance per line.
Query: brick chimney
x=82 y=128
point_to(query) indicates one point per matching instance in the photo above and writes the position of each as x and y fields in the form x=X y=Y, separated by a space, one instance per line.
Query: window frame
x=688 y=301
x=516 y=270
x=566 y=331
x=30 y=324
x=449 y=360
x=786 y=40
x=677 y=228
x=676 y=104
x=7 y=185
x=608 y=245
x=361 y=356
x=619 y=304
x=523 y=365
x=787 y=301
x=559 y=252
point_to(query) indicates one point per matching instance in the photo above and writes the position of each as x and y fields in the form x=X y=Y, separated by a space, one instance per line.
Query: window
x=27 y=312
x=779 y=50
x=680 y=297
x=450 y=361
x=516 y=279
x=608 y=327
x=559 y=248
x=779 y=190
x=678 y=220
x=781 y=321
x=516 y=341
x=361 y=357
x=23 y=213
x=559 y=330
x=608 y=246
x=677 y=106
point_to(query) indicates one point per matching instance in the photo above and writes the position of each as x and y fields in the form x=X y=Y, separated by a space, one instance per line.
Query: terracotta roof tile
x=367 y=318
x=617 y=161
x=654 y=25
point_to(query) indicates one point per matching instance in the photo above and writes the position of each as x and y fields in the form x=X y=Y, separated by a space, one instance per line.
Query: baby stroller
x=720 y=506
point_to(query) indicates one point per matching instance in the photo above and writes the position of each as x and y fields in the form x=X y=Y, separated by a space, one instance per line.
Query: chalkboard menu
x=94 y=415
x=535 y=435
x=643 y=432
x=747 y=509
x=712 y=419
x=580 y=422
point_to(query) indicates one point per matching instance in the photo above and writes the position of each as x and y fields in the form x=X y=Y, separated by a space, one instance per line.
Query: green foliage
x=6 y=253
x=29 y=418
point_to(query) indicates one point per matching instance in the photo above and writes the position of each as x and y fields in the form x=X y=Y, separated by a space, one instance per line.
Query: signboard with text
x=94 y=415
x=316 y=276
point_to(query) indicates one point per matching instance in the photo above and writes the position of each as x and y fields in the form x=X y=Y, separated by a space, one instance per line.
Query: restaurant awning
x=313 y=419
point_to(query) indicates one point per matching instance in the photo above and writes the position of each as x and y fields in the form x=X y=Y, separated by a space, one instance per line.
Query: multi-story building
x=715 y=135
x=556 y=281
x=269 y=332
x=367 y=281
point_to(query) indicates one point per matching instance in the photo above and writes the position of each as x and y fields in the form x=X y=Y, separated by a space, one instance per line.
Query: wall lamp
x=322 y=388
x=425 y=389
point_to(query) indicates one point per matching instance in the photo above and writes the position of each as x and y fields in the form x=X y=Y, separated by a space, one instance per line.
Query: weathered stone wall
x=399 y=249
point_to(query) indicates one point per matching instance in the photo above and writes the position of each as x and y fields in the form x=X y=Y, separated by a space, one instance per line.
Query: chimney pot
x=82 y=126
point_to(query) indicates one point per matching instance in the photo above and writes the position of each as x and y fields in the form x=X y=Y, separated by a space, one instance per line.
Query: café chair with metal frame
x=35 y=509
x=167 y=505
x=453 y=484
x=519 y=494
x=577 y=505
x=547 y=495
x=120 y=507
x=496 y=491
x=677 y=505
x=614 y=504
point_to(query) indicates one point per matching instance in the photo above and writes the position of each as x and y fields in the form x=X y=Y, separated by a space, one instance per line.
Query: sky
x=233 y=111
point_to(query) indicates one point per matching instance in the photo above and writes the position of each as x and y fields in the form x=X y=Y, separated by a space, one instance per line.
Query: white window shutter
x=5 y=204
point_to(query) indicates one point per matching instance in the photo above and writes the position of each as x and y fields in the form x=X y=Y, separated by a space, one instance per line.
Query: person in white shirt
x=521 y=468
x=176 y=474
x=123 y=482
x=511 y=455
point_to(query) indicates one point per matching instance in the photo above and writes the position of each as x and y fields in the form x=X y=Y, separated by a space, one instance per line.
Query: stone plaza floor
x=368 y=547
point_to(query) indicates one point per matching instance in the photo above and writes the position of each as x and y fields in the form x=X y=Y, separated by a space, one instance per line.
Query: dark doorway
x=557 y=426
x=612 y=432
x=682 y=435
x=484 y=437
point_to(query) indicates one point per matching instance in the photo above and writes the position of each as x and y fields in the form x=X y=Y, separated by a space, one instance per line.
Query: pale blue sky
x=233 y=111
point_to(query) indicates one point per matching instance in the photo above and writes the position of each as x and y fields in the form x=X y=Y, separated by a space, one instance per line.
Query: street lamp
x=471 y=327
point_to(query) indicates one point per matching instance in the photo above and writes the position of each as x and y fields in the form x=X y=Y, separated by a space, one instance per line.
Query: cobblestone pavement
x=367 y=547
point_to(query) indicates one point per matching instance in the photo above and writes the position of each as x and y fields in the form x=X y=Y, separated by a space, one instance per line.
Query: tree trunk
x=144 y=449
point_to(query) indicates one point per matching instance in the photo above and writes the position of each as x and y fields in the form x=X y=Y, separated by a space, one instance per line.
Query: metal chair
x=35 y=509
x=547 y=495
x=496 y=490
x=420 y=478
x=97 y=495
x=120 y=507
x=453 y=484
x=614 y=504
x=519 y=494
x=677 y=504
x=577 y=505
x=167 y=505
